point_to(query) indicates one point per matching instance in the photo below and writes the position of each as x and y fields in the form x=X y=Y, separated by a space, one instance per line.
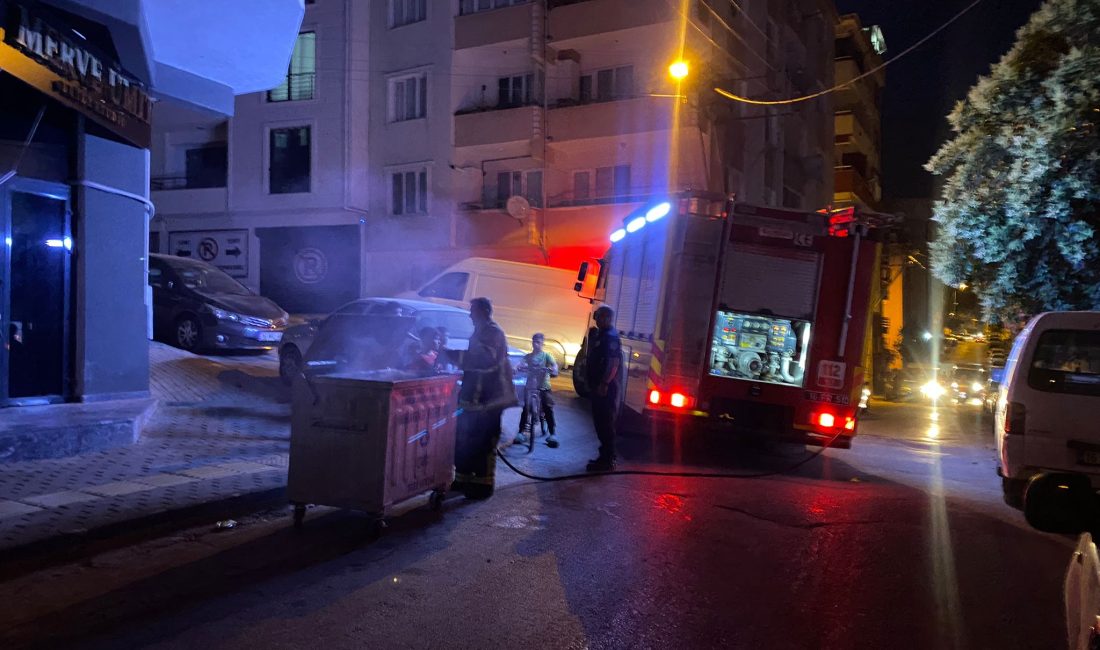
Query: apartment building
x=414 y=133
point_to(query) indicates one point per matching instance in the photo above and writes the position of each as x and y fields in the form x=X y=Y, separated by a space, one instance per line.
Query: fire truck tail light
x=678 y=400
x=654 y=397
x=850 y=424
x=826 y=420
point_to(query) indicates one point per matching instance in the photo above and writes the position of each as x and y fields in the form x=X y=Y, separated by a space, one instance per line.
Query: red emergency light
x=675 y=400
x=840 y=221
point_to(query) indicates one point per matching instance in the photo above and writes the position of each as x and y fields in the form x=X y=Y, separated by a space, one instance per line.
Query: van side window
x=1066 y=361
x=449 y=286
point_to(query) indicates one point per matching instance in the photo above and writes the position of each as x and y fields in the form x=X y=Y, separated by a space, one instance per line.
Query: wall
x=112 y=357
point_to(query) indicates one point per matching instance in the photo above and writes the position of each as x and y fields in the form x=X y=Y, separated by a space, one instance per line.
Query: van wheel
x=1013 y=489
x=1059 y=503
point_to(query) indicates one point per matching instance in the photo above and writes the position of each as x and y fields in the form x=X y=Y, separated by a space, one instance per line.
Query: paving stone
x=60 y=499
x=164 y=480
x=118 y=488
x=14 y=508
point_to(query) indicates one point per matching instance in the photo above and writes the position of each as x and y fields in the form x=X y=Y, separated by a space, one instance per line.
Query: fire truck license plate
x=827 y=398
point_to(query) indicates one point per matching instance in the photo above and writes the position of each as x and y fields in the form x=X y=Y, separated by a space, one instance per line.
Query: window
x=406 y=12
x=1066 y=361
x=514 y=91
x=156 y=277
x=206 y=166
x=612 y=83
x=410 y=191
x=601 y=183
x=290 y=153
x=525 y=184
x=301 y=74
x=408 y=97
x=474 y=6
x=449 y=286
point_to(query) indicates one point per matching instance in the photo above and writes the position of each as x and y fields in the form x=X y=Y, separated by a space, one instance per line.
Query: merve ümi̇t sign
x=47 y=55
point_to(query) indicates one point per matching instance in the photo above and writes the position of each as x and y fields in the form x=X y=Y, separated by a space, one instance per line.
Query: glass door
x=34 y=291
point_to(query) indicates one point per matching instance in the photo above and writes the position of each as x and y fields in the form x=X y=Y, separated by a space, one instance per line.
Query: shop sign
x=42 y=54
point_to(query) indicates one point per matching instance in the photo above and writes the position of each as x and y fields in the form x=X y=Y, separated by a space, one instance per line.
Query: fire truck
x=740 y=316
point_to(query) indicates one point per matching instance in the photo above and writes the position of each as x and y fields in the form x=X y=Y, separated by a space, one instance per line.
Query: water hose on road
x=680 y=474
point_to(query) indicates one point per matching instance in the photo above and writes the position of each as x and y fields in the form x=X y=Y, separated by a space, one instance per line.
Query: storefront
x=77 y=82
x=74 y=127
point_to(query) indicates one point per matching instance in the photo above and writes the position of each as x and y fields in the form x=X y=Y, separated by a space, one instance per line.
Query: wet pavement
x=900 y=542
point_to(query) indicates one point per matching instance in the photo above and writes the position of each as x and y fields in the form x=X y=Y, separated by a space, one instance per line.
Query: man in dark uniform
x=604 y=383
x=486 y=391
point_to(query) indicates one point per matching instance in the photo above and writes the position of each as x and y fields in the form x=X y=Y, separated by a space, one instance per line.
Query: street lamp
x=678 y=70
x=927 y=336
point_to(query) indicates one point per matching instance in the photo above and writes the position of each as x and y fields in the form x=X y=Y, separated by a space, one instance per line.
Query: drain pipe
x=842 y=343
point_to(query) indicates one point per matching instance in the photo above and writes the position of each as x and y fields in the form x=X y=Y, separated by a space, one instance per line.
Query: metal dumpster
x=364 y=437
x=368 y=440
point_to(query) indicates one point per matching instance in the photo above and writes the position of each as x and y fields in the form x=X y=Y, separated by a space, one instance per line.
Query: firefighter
x=486 y=391
x=604 y=381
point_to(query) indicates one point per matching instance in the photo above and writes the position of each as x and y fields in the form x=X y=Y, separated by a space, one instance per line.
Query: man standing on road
x=486 y=391
x=604 y=382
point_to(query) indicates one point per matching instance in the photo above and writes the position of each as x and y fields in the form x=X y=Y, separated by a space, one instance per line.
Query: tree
x=1020 y=209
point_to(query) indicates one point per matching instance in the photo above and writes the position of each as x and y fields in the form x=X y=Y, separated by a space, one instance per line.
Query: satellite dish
x=518 y=207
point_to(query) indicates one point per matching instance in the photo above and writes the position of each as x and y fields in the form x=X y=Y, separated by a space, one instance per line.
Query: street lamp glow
x=635 y=224
x=962 y=286
x=678 y=70
x=927 y=336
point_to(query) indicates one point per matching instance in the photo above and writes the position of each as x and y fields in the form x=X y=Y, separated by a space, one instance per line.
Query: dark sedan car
x=197 y=306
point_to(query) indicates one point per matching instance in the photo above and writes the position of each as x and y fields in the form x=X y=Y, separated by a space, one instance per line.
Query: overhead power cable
x=777 y=102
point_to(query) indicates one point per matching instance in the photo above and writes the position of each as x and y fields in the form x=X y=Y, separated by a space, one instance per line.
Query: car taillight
x=1015 y=418
x=654 y=397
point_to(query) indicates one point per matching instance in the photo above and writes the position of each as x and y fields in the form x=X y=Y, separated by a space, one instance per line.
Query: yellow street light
x=962 y=286
x=678 y=70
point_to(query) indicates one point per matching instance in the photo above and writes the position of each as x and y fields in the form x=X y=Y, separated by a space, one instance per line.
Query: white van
x=1047 y=418
x=527 y=298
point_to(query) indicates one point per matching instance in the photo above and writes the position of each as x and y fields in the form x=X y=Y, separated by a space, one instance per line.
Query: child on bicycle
x=539 y=359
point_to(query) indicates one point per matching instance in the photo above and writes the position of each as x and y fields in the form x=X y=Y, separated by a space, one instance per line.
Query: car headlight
x=221 y=314
x=933 y=390
x=976 y=387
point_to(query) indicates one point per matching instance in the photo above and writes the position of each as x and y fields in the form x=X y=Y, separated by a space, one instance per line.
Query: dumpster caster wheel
x=435 y=501
x=375 y=528
x=299 y=514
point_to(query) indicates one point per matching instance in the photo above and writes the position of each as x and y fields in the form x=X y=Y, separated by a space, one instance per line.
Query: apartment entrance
x=34 y=291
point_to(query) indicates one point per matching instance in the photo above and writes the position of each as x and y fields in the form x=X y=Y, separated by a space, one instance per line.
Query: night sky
x=922 y=87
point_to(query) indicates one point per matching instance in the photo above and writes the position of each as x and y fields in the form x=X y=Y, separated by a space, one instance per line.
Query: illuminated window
x=301 y=75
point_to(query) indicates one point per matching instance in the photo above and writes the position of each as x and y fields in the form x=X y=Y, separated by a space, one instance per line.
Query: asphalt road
x=900 y=542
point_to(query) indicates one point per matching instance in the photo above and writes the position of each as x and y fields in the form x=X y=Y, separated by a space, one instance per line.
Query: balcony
x=577 y=19
x=852 y=186
x=497 y=127
x=850 y=134
x=493 y=26
x=188 y=195
x=620 y=117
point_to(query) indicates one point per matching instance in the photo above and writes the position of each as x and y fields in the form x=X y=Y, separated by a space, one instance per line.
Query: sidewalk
x=222 y=430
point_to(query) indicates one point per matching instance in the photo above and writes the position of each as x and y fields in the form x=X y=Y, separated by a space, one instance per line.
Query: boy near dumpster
x=539 y=359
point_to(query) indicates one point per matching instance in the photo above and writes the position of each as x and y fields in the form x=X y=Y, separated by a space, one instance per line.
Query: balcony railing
x=161 y=183
x=296 y=87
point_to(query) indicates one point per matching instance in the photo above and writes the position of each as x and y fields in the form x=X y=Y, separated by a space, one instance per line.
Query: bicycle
x=532 y=402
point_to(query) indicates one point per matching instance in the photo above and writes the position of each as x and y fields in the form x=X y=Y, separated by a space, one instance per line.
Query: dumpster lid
x=355 y=343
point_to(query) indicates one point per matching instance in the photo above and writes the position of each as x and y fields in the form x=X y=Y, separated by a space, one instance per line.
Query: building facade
x=515 y=129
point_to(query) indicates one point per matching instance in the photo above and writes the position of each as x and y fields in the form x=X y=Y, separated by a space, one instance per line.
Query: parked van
x=1047 y=419
x=527 y=298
